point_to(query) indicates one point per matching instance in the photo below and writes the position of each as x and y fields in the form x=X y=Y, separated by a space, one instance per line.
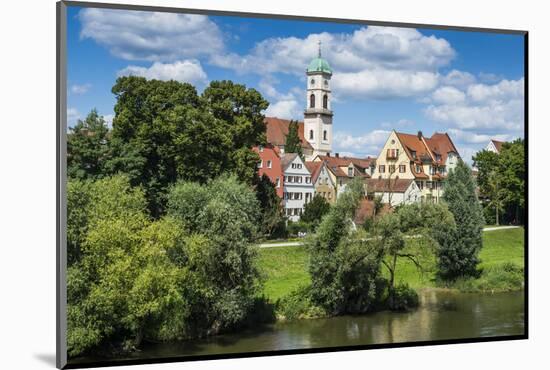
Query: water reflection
x=442 y=315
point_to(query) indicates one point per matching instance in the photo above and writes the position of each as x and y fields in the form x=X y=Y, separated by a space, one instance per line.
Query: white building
x=298 y=187
x=394 y=191
x=318 y=113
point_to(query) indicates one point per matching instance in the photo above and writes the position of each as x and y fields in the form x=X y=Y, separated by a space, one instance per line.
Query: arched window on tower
x=325 y=135
x=310 y=134
x=312 y=101
x=325 y=101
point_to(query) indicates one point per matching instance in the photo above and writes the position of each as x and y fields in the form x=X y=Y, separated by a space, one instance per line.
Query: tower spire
x=319 y=53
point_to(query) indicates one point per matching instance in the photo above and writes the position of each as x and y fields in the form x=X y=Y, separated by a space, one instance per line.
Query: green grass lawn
x=285 y=268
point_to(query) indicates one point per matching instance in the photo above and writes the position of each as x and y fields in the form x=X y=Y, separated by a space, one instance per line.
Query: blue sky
x=468 y=84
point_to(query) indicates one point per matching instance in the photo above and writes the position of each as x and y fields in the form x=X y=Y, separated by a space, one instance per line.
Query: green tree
x=459 y=246
x=486 y=163
x=495 y=194
x=164 y=132
x=511 y=170
x=293 y=144
x=88 y=148
x=408 y=233
x=344 y=265
x=223 y=222
x=272 y=217
x=314 y=211
x=123 y=283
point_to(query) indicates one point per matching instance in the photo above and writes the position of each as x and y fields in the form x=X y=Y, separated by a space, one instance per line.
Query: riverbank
x=502 y=258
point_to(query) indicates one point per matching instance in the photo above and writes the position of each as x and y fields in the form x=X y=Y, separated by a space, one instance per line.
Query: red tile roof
x=277 y=130
x=341 y=161
x=427 y=149
x=497 y=144
x=441 y=143
x=315 y=169
x=414 y=143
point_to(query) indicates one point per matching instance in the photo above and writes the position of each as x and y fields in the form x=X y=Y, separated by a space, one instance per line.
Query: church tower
x=318 y=113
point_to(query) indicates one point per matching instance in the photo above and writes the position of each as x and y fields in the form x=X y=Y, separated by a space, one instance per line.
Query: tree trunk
x=496 y=211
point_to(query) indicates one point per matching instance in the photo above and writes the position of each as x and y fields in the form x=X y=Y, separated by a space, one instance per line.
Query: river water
x=442 y=315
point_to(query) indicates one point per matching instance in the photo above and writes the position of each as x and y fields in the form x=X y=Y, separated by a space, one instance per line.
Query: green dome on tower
x=319 y=64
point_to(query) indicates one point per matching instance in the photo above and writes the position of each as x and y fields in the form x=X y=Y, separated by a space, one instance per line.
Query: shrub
x=298 y=305
x=403 y=298
x=500 y=278
x=294 y=228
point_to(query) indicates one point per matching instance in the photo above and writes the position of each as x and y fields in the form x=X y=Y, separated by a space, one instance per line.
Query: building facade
x=425 y=160
x=298 y=187
x=322 y=181
x=270 y=165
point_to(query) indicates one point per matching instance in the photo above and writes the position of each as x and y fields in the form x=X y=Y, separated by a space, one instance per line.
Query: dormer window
x=350 y=171
x=418 y=168
x=413 y=154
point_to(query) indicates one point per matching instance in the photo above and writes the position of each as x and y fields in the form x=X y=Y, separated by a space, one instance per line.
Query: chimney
x=419 y=135
x=337 y=155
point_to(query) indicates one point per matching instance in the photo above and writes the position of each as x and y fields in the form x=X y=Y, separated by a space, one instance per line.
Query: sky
x=468 y=84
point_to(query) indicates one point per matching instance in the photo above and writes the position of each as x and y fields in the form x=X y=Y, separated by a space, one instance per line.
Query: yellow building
x=322 y=180
x=425 y=160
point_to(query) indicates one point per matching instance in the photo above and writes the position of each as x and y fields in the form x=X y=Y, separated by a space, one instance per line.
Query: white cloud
x=73 y=115
x=383 y=83
x=448 y=95
x=459 y=79
x=497 y=107
x=368 y=144
x=288 y=109
x=372 y=62
x=183 y=71
x=475 y=138
x=505 y=89
x=151 y=36
x=80 y=89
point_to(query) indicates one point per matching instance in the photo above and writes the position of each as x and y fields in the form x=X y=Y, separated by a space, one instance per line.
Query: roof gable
x=277 y=131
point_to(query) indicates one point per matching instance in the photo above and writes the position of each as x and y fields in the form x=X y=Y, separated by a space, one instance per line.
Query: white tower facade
x=318 y=113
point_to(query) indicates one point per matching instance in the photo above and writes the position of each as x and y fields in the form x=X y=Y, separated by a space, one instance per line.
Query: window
x=278 y=182
x=350 y=171
x=308 y=180
x=420 y=184
x=312 y=81
x=418 y=168
x=432 y=170
x=325 y=135
x=325 y=101
x=268 y=164
x=326 y=82
x=438 y=157
x=298 y=165
x=312 y=101
x=260 y=164
x=311 y=134
x=382 y=168
x=392 y=168
x=429 y=185
x=402 y=168
x=413 y=154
